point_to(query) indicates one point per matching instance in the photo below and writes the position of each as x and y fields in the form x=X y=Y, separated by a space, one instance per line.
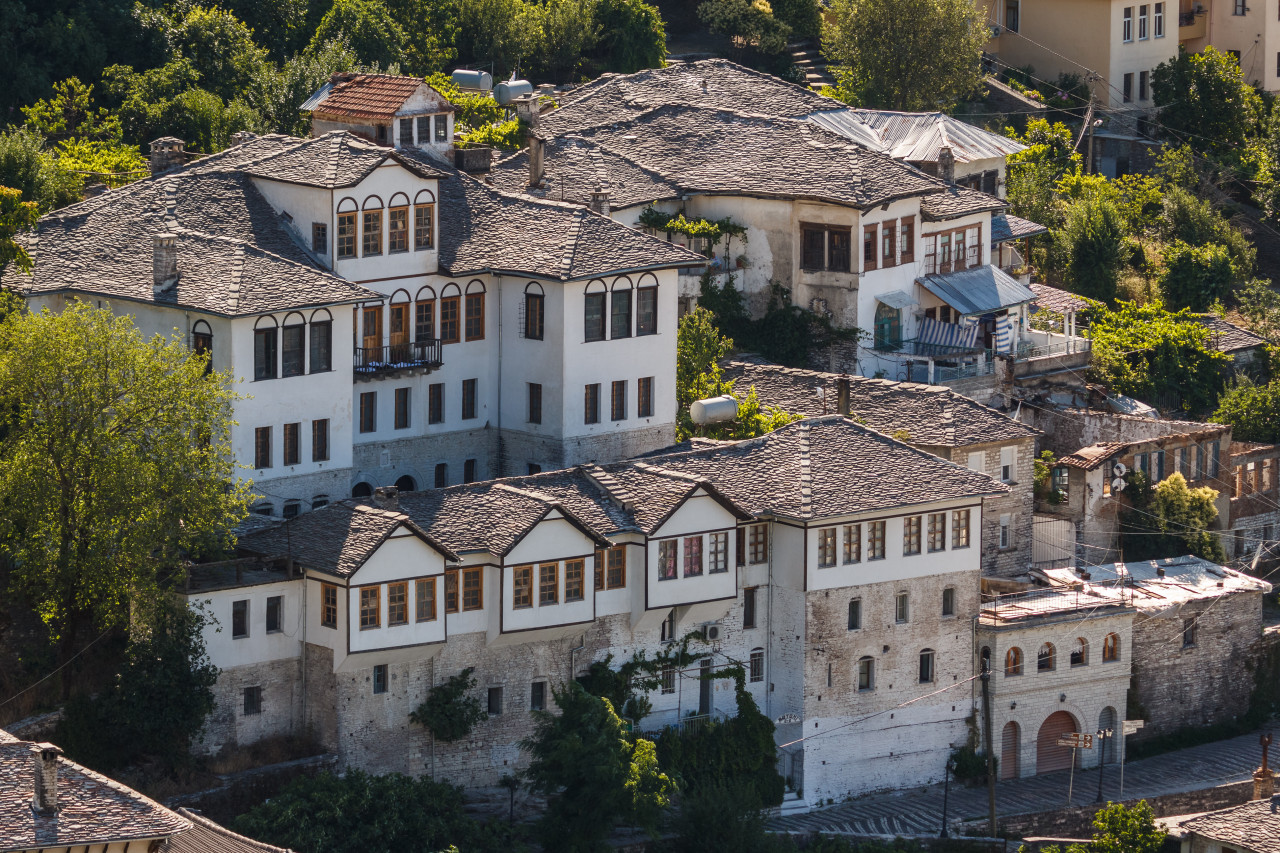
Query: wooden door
x=371 y=327
x=399 y=332
x=1010 y=742
x=1050 y=756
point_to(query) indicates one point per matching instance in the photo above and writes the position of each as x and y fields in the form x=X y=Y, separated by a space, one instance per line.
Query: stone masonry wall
x=1019 y=503
x=228 y=726
x=1181 y=685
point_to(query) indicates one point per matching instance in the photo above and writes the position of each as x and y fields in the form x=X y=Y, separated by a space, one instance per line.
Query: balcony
x=1192 y=25
x=418 y=356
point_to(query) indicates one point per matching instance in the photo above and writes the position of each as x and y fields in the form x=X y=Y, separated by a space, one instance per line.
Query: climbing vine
x=449 y=712
x=625 y=686
x=713 y=231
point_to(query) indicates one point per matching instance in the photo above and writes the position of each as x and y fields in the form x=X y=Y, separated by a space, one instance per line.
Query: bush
x=1252 y=410
x=1196 y=277
x=1092 y=242
x=728 y=811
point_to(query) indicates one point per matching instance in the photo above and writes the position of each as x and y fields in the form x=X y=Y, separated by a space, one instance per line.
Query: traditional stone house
x=1250 y=828
x=836 y=565
x=488 y=334
x=931 y=418
x=403 y=112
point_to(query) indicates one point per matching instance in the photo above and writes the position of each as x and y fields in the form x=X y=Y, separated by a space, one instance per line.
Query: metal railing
x=1186 y=19
x=1043 y=602
x=415 y=354
x=1078 y=345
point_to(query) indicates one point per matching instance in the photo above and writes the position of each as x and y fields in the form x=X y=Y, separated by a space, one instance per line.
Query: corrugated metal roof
x=916 y=137
x=977 y=291
x=316 y=97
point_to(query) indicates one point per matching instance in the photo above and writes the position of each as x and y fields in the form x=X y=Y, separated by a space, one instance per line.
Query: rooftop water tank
x=481 y=81
x=714 y=410
x=505 y=93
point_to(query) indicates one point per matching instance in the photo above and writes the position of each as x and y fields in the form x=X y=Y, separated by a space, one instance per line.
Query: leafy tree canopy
x=1170 y=520
x=632 y=36
x=1204 y=100
x=1196 y=277
x=16 y=217
x=748 y=23
x=1252 y=410
x=71 y=114
x=1093 y=241
x=1121 y=829
x=366 y=27
x=219 y=46
x=115 y=464
x=27 y=167
x=1034 y=173
x=905 y=54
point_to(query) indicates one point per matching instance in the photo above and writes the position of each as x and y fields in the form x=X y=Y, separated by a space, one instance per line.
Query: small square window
x=380 y=678
x=495 y=701
x=252 y=701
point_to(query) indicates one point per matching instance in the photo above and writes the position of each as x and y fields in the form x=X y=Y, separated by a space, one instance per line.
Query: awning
x=897 y=299
x=980 y=290
x=1006 y=227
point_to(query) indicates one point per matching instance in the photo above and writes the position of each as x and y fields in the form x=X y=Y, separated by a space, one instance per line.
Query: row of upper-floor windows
x=296 y=347
x=623 y=312
x=1150 y=21
x=865 y=675
x=853 y=543
x=884 y=244
x=264 y=446
x=402 y=412
x=421 y=130
x=618 y=397
x=375 y=228
x=953 y=250
x=1047 y=655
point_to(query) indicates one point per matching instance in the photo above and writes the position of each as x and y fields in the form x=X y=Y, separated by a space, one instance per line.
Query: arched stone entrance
x=1050 y=756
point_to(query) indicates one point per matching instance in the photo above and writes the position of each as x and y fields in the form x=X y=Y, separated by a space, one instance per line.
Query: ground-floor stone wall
x=1192 y=664
x=615 y=446
x=271 y=495
x=382 y=463
x=233 y=722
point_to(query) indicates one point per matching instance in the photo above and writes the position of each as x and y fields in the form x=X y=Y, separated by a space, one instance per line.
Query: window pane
x=293 y=349
x=475 y=316
x=647 y=311
x=264 y=354
x=449 y=319
x=423 y=235
x=620 y=316
x=593 y=317
x=813 y=246
x=533 y=320
x=372 y=234
x=398 y=229
x=321 y=347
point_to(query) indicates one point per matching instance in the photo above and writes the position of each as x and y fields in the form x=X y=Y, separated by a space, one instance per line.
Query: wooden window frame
x=668 y=559
x=758 y=547
x=262 y=448
x=937 y=532
x=370 y=618
x=717 y=556
x=400 y=212
x=912 y=539
x=902 y=608
x=889 y=244
x=474 y=320
x=370 y=224
x=1111 y=648
x=616 y=567
x=470 y=402
x=472 y=582
x=424 y=594
x=328 y=605
x=424 y=320
x=451 y=594
x=591 y=403
x=877 y=533
x=826 y=547
x=367 y=415
x=852 y=551
x=647 y=294
x=906 y=240
x=534 y=394
x=397 y=589
x=522 y=587
x=348 y=237
x=618 y=400
x=960 y=520
x=420 y=212
x=870 y=237
x=402 y=408
x=691 y=556
x=450 y=330
x=756 y=666
x=1013 y=662
x=599 y=330
x=548 y=584
x=435 y=403
x=644 y=397
x=535 y=305
x=575 y=584
x=292 y=454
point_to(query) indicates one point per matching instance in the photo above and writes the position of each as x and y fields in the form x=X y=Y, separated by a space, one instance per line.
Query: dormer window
x=442 y=127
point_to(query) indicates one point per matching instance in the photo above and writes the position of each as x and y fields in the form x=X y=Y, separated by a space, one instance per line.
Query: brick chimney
x=387 y=497
x=946 y=164
x=600 y=201
x=166 y=153
x=44 y=764
x=164 y=262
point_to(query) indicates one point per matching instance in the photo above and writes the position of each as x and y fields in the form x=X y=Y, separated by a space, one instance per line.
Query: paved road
x=918 y=811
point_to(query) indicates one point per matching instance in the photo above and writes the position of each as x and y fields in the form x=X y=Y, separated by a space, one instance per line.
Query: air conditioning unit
x=714 y=632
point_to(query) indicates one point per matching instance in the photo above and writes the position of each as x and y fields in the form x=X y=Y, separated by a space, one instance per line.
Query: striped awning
x=958 y=335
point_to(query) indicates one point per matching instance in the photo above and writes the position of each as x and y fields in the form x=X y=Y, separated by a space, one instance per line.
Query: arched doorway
x=1107 y=720
x=406 y=484
x=1050 y=756
x=361 y=490
x=1010 y=741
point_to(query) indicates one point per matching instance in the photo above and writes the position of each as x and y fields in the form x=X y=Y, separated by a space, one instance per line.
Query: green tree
x=115 y=465
x=1195 y=277
x=731 y=812
x=1034 y=173
x=1092 y=241
x=450 y=712
x=167 y=671
x=282 y=27
x=1252 y=410
x=565 y=32
x=71 y=114
x=1195 y=221
x=16 y=217
x=905 y=54
x=1260 y=306
x=430 y=29
x=699 y=348
x=632 y=36
x=360 y=813
x=220 y=48
x=747 y=23
x=493 y=31
x=592 y=774
x=364 y=26
x=1120 y=829
x=803 y=17
x=27 y=167
x=1204 y=100
x=1170 y=520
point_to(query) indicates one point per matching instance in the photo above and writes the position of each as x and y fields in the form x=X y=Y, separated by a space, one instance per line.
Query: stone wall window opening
x=474 y=320
x=240 y=619
x=759 y=544
x=866 y=674
x=1006 y=532
x=926 y=666
x=425 y=604
x=1189 y=632
x=265 y=339
x=692 y=556
x=668 y=679
x=371 y=227
x=757 y=665
x=668 y=631
x=538 y=696
x=949 y=601
x=911 y=535
x=441 y=474
x=398 y=225
x=548 y=584
x=831 y=676
x=362 y=490
x=875 y=540
x=370 y=607
x=827 y=247
x=749 y=607
x=1080 y=652
x=1111 y=648
x=321 y=343
x=593 y=312
x=252 y=701
x=534 y=311
x=855 y=614
x=902 y=608
x=620 y=309
x=328 y=605
x=937 y=532
x=1046 y=658
x=424 y=217
x=852 y=543
x=380 y=679
x=1013 y=662
x=826 y=547
x=469 y=471
x=440 y=122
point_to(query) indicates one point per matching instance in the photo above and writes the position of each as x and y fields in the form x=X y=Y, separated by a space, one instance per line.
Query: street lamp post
x=1103 y=734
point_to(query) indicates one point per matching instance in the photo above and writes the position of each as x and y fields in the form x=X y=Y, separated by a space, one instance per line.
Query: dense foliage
x=450 y=711
x=1120 y=829
x=158 y=702
x=1204 y=98
x=16 y=217
x=1252 y=409
x=1170 y=520
x=359 y=813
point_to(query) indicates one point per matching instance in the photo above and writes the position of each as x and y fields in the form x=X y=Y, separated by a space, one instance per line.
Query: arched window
x=534 y=311
x=949 y=601
x=926 y=666
x=1111 y=648
x=292 y=508
x=1046 y=658
x=450 y=306
x=293 y=345
x=593 y=313
x=473 y=321
x=1080 y=652
x=1013 y=662
x=361 y=490
x=647 y=305
x=348 y=210
x=321 y=350
x=424 y=315
x=424 y=218
x=442 y=475
x=620 y=308
x=398 y=224
x=264 y=508
x=855 y=614
x=866 y=674
x=888 y=327
x=319 y=501
x=265 y=343
x=406 y=484
x=371 y=227
x=398 y=320
x=202 y=342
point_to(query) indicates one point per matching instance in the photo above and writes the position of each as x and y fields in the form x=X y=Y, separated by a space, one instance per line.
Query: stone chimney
x=166 y=154
x=842 y=396
x=387 y=497
x=1264 y=778
x=342 y=77
x=44 y=764
x=164 y=262
x=240 y=137
x=946 y=164
x=600 y=201
x=536 y=170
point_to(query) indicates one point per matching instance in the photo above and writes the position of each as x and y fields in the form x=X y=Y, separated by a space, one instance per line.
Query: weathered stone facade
x=1016 y=505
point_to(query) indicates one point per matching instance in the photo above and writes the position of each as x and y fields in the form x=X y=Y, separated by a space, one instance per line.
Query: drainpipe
x=502 y=455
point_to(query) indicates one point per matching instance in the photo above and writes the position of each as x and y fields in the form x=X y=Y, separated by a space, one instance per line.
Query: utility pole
x=991 y=748
x=1089 y=127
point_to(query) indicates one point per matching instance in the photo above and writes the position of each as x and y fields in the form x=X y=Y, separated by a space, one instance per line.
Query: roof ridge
x=541 y=497
x=605 y=481
x=806 y=471
x=659 y=471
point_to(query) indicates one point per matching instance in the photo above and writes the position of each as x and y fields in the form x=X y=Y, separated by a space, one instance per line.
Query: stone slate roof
x=482 y=229
x=711 y=83
x=205 y=836
x=958 y=201
x=1006 y=226
x=573 y=168
x=1088 y=458
x=374 y=96
x=933 y=415
x=336 y=159
x=1228 y=337
x=336 y=541
x=92 y=809
x=700 y=150
x=1253 y=827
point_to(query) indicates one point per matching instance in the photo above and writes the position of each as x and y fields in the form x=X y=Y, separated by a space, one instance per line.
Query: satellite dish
x=1119 y=469
x=1118 y=484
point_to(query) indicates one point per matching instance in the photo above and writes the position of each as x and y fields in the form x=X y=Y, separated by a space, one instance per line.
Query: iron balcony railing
x=425 y=354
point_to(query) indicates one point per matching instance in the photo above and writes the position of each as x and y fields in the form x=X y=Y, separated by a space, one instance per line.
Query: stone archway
x=1050 y=756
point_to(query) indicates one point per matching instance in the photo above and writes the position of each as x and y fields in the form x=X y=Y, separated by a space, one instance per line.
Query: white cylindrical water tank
x=505 y=93
x=714 y=410
x=477 y=80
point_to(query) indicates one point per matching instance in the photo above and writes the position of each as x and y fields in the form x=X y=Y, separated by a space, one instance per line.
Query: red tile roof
x=377 y=96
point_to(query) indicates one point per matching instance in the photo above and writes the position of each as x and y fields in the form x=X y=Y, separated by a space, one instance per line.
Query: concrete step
x=792 y=804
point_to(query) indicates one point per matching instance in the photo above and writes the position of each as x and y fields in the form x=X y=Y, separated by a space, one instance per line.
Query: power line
x=56 y=671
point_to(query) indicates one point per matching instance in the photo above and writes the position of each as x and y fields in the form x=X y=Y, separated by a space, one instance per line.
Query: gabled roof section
x=205 y=836
x=710 y=83
x=1057 y=300
x=958 y=201
x=339 y=540
x=336 y=159
x=364 y=96
x=660 y=492
x=1006 y=226
x=931 y=415
x=574 y=167
x=484 y=230
x=1227 y=337
x=1093 y=456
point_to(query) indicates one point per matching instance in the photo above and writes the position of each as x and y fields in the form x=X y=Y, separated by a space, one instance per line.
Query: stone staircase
x=807 y=56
